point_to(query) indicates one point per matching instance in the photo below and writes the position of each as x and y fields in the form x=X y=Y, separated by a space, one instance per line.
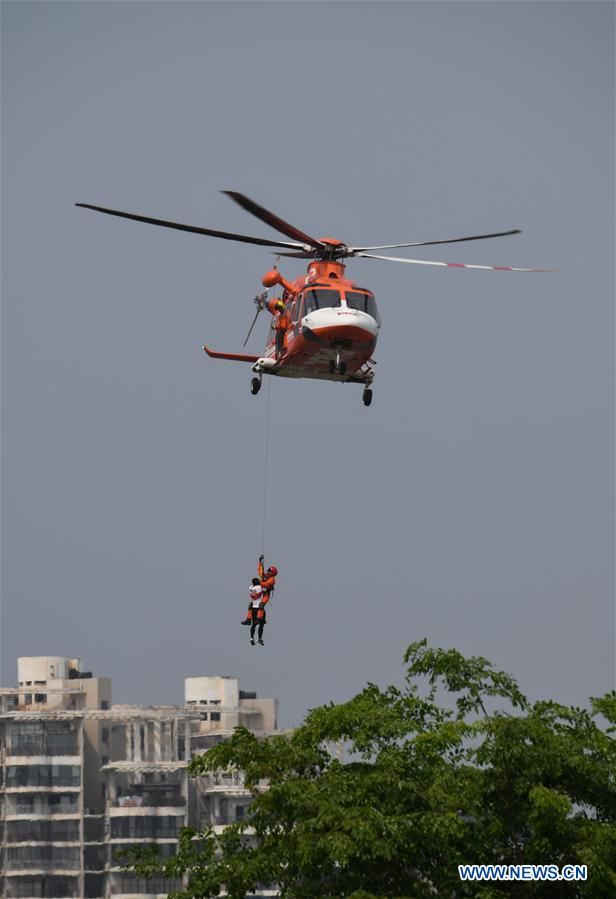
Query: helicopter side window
x=321 y=299
x=364 y=302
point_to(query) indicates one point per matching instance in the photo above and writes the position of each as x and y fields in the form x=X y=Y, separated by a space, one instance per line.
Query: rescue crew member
x=267 y=579
x=280 y=324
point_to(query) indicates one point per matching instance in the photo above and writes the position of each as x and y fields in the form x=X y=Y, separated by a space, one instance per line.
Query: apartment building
x=82 y=777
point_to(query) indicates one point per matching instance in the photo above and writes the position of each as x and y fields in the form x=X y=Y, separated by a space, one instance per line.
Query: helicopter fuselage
x=327 y=329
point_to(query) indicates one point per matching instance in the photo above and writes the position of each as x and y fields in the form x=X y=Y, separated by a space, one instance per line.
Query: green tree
x=454 y=767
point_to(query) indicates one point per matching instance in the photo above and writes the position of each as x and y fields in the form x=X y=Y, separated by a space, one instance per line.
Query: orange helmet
x=272 y=570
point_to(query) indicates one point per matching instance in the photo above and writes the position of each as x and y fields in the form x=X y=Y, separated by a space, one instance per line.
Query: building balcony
x=228 y=789
x=124 y=842
x=38 y=758
x=40 y=869
x=43 y=788
x=144 y=895
x=149 y=800
x=145 y=811
x=43 y=815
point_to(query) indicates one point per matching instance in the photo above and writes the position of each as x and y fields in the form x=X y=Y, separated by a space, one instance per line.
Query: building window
x=105 y=735
x=28 y=699
x=46 y=857
x=42 y=831
x=104 y=759
x=104 y=705
x=146 y=827
x=214 y=716
x=104 y=790
x=43 y=776
x=43 y=738
x=40 y=697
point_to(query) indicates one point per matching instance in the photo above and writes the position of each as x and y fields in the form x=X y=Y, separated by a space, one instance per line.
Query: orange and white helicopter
x=323 y=325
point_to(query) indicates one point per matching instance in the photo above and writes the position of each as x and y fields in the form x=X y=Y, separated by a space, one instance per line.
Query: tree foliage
x=454 y=767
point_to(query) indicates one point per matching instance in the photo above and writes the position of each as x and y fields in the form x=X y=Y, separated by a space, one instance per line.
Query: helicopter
x=323 y=325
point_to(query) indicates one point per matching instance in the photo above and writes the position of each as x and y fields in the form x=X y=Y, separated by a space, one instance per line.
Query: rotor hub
x=333 y=249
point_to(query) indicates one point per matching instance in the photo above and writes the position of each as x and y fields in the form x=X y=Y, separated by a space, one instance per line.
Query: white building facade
x=82 y=777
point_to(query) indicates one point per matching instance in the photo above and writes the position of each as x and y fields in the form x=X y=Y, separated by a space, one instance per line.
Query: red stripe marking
x=456 y=264
x=502 y=268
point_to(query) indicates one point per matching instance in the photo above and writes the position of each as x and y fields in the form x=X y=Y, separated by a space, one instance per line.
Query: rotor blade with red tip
x=272 y=220
x=425 y=243
x=209 y=232
x=493 y=268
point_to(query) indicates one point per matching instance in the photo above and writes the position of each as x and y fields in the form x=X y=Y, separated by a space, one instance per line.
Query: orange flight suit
x=267 y=583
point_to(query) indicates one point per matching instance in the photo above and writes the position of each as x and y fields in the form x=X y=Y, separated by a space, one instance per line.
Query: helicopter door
x=296 y=314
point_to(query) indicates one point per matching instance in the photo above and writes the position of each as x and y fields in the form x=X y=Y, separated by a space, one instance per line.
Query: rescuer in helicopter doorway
x=279 y=324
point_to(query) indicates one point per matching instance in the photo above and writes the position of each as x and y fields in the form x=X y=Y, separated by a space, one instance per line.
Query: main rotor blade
x=272 y=220
x=210 y=232
x=494 y=268
x=425 y=243
x=252 y=325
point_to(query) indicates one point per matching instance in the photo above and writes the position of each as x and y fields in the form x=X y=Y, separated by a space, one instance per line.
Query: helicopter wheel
x=255 y=386
x=367 y=396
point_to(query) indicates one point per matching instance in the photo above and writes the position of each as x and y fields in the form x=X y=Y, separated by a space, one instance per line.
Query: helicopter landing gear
x=338 y=366
x=255 y=386
x=367 y=396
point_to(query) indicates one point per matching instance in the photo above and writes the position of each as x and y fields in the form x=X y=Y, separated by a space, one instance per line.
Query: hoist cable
x=266 y=463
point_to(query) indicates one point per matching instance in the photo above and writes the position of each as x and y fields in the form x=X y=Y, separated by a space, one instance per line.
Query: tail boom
x=234 y=357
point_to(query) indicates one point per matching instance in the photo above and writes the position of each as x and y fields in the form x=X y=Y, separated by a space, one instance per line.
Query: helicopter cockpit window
x=364 y=302
x=321 y=299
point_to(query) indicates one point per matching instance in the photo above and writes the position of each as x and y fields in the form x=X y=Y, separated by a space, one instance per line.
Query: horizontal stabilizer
x=235 y=357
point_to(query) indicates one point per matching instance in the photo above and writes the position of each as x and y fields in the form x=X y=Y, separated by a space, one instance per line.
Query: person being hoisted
x=256 y=611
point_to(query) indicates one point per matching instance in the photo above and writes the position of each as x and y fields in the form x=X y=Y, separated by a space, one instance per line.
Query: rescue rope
x=266 y=463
